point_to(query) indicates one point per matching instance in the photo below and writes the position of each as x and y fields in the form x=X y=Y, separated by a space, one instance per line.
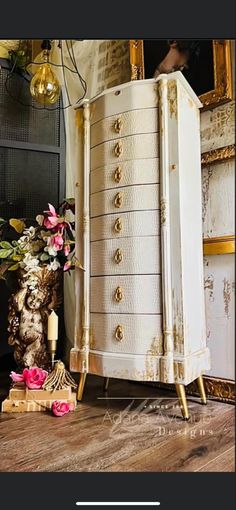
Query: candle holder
x=51 y=349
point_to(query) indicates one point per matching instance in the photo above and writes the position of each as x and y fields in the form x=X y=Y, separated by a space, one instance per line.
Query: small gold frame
x=219 y=245
x=223 y=87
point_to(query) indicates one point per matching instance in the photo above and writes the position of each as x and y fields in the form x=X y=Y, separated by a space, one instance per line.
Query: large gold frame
x=223 y=89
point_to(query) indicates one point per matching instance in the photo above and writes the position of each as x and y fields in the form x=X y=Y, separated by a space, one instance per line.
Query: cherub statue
x=29 y=307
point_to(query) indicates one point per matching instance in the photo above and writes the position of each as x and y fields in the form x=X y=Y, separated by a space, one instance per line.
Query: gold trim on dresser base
x=219 y=245
x=180 y=390
x=81 y=386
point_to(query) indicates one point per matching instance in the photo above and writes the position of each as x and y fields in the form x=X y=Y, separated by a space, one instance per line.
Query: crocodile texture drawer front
x=131 y=334
x=130 y=147
x=125 y=199
x=125 y=124
x=127 y=173
x=123 y=99
x=137 y=223
x=119 y=294
x=132 y=255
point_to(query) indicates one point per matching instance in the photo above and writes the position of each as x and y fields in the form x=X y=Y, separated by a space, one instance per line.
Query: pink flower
x=67 y=265
x=57 y=242
x=67 y=249
x=34 y=377
x=60 y=408
x=17 y=377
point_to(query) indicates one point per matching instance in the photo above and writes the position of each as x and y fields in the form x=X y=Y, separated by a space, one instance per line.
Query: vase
x=39 y=290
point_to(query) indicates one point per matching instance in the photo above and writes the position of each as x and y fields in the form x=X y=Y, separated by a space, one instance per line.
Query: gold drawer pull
x=119 y=333
x=118 y=174
x=118 y=256
x=118 y=225
x=118 y=125
x=119 y=295
x=118 y=149
x=118 y=200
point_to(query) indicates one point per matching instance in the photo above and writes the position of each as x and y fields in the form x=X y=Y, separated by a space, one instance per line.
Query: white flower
x=53 y=266
x=30 y=263
x=50 y=248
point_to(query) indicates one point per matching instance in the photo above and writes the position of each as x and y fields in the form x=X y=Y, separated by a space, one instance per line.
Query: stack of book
x=21 y=399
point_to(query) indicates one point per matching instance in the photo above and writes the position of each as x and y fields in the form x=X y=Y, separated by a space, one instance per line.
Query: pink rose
x=17 y=377
x=34 y=377
x=60 y=408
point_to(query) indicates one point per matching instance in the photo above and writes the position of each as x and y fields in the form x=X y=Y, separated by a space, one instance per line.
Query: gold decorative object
x=118 y=200
x=118 y=174
x=118 y=256
x=118 y=125
x=38 y=292
x=119 y=294
x=118 y=225
x=119 y=334
x=219 y=245
x=118 y=149
x=59 y=378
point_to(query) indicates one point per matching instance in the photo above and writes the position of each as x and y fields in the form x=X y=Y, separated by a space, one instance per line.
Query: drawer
x=132 y=255
x=128 y=334
x=134 y=95
x=123 y=149
x=125 y=124
x=138 y=171
x=136 y=198
x=126 y=294
x=137 y=223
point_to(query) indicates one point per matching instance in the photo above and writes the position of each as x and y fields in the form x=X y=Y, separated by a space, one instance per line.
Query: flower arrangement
x=34 y=379
x=51 y=242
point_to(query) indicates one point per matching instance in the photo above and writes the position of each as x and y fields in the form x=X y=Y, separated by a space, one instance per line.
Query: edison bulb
x=44 y=86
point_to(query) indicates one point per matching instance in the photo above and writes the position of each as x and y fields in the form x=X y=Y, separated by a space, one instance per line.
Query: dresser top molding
x=177 y=75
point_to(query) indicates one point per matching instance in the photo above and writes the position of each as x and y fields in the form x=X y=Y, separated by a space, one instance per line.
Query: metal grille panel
x=28 y=180
x=23 y=123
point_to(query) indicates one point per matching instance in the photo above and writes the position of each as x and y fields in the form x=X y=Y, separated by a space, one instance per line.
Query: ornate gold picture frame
x=221 y=70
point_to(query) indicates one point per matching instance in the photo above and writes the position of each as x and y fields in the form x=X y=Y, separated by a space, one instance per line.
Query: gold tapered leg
x=106 y=383
x=201 y=388
x=180 y=390
x=81 y=386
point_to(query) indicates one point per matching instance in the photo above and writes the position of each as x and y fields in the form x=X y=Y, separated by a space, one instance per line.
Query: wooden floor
x=136 y=428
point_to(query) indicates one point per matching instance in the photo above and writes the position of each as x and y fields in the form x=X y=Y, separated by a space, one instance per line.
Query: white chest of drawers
x=143 y=312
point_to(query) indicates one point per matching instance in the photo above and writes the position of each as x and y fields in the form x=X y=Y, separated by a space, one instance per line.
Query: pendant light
x=44 y=86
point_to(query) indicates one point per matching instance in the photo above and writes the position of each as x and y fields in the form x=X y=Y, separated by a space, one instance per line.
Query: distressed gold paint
x=172 y=97
x=226 y=296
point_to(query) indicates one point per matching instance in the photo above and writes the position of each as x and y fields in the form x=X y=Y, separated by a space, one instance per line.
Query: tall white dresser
x=143 y=315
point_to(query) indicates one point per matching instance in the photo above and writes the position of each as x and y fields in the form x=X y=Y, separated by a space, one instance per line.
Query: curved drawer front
x=129 y=334
x=138 y=171
x=125 y=124
x=122 y=294
x=136 y=198
x=137 y=223
x=122 y=149
x=132 y=96
x=132 y=255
